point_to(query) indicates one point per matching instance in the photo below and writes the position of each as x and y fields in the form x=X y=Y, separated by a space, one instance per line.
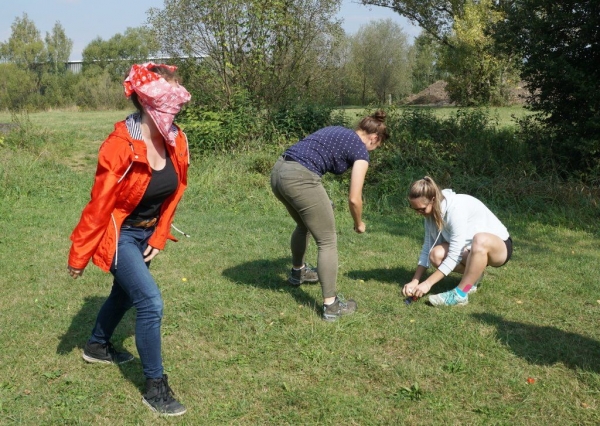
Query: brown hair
x=427 y=188
x=374 y=123
x=165 y=73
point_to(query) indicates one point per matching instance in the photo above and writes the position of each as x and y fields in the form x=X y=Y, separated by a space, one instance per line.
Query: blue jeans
x=133 y=285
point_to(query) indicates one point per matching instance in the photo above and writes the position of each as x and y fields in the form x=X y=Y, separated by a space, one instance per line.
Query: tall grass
x=243 y=347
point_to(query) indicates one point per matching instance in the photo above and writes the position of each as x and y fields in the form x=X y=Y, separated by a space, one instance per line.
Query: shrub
x=223 y=130
x=294 y=121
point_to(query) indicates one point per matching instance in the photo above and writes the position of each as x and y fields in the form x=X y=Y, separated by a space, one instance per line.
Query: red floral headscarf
x=161 y=100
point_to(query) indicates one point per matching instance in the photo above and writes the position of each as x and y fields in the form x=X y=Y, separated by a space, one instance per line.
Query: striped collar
x=133 y=123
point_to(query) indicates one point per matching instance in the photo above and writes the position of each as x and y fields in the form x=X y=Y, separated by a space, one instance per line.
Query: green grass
x=242 y=347
x=504 y=116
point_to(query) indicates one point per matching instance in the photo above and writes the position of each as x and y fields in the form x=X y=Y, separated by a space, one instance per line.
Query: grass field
x=242 y=347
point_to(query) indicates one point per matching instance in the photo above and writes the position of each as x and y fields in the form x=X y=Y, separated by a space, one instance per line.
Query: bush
x=468 y=148
x=100 y=92
x=223 y=130
x=294 y=121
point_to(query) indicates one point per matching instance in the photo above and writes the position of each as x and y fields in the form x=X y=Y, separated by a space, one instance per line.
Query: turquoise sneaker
x=448 y=298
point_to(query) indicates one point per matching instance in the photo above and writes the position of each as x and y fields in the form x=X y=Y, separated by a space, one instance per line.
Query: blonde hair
x=427 y=188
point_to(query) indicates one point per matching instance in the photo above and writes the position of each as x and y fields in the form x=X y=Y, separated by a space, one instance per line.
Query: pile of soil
x=436 y=95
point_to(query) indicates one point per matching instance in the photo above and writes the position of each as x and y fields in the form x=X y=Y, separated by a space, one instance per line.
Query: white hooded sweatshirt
x=464 y=216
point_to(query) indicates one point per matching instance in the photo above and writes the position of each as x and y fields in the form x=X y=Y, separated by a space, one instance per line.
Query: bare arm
x=357 y=180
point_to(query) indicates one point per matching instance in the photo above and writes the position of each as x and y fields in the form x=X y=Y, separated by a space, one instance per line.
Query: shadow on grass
x=81 y=327
x=545 y=345
x=265 y=274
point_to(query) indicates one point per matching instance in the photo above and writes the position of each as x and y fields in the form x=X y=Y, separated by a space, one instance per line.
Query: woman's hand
x=75 y=273
x=422 y=289
x=150 y=253
x=361 y=228
x=409 y=289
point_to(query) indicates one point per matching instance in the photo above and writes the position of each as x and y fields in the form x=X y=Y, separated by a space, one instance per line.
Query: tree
x=16 y=86
x=25 y=46
x=559 y=45
x=117 y=54
x=478 y=74
x=424 y=55
x=58 y=46
x=433 y=16
x=273 y=49
x=380 y=60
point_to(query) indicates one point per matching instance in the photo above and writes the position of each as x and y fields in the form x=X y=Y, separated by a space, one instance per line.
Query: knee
x=480 y=244
x=151 y=307
x=327 y=241
x=437 y=255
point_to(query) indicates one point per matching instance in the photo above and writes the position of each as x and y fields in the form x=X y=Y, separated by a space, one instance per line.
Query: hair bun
x=379 y=115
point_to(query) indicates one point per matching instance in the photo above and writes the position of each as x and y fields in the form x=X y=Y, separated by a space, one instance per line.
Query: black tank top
x=162 y=184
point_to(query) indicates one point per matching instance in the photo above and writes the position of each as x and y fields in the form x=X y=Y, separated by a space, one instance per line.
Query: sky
x=85 y=20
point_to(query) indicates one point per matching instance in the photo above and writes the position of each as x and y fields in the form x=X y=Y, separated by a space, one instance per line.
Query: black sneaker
x=159 y=397
x=307 y=274
x=105 y=353
x=338 y=308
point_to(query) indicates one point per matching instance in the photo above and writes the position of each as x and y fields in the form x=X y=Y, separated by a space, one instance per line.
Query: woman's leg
x=302 y=193
x=486 y=249
x=110 y=314
x=133 y=276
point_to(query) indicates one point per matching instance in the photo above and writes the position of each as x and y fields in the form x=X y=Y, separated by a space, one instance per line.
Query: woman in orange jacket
x=140 y=178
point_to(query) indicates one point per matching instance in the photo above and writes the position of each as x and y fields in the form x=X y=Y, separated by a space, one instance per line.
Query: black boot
x=159 y=397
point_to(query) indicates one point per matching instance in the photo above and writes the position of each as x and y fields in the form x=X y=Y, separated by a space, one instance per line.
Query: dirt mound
x=436 y=95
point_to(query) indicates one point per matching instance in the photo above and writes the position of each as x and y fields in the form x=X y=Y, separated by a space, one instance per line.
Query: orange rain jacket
x=122 y=176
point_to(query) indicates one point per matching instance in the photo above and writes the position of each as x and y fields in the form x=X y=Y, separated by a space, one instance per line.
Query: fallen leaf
x=584 y=405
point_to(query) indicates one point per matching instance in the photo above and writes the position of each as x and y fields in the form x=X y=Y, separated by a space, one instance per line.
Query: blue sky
x=84 y=20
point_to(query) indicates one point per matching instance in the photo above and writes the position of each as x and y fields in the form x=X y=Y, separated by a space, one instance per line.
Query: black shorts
x=509 y=250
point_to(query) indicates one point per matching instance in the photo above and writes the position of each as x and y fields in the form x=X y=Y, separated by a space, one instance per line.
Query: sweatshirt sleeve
x=428 y=242
x=457 y=226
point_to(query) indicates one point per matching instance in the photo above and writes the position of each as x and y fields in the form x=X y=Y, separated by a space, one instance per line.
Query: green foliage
x=25 y=46
x=16 y=87
x=58 y=91
x=59 y=47
x=117 y=54
x=225 y=130
x=478 y=74
x=468 y=143
x=100 y=91
x=558 y=42
x=23 y=136
x=379 y=62
x=272 y=49
x=424 y=54
x=296 y=120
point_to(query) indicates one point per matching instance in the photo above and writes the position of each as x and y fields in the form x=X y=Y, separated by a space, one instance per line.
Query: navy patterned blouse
x=332 y=149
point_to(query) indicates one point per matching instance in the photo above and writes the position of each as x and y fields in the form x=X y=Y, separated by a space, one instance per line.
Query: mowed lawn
x=243 y=347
